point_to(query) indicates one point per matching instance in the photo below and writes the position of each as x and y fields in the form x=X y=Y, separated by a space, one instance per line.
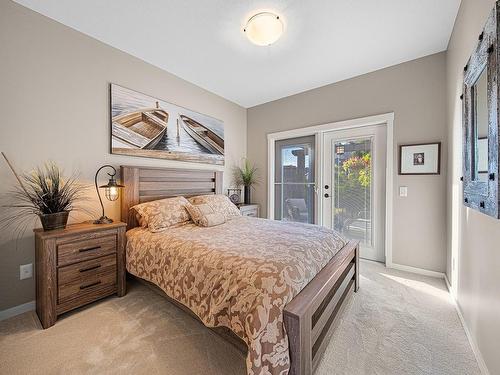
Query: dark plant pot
x=54 y=221
x=247 y=194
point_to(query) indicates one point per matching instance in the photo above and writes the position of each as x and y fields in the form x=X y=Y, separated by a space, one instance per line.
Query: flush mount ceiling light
x=264 y=28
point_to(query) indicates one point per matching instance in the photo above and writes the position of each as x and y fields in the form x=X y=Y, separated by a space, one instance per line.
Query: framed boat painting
x=153 y=128
x=420 y=159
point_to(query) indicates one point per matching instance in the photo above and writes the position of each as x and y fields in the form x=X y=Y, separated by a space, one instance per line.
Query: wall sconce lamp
x=111 y=192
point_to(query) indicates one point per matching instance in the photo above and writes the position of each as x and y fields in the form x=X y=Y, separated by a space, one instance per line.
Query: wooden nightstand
x=252 y=210
x=76 y=266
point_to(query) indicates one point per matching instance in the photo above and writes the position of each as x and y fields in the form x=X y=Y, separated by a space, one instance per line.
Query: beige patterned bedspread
x=240 y=275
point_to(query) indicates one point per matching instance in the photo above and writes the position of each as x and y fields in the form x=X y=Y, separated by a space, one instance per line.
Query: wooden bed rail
x=310 y=318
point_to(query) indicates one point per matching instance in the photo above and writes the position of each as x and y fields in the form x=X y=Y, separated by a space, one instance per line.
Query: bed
x=279 y=298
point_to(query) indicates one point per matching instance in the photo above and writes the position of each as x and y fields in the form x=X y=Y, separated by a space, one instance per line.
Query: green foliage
x=246 y=175
x=358 y=167
x=47 y=192
x=353 y=182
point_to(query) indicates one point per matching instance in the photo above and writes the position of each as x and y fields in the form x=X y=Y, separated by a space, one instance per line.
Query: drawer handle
x=89 y=268
x=89 y=285
x=89 y=249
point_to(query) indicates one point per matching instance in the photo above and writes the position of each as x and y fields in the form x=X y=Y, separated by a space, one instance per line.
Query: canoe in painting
x=203 y=135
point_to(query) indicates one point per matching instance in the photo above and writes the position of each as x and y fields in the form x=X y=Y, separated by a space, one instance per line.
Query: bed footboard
x=310 y=318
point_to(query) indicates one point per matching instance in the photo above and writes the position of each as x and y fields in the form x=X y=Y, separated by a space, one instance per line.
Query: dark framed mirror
x=480 y=122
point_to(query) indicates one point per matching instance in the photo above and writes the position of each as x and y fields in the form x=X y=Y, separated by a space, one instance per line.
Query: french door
x=354 y=168
x=294 y=180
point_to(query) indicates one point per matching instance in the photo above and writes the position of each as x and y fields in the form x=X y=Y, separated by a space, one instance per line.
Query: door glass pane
x=296 y=164
x=352 y=203
x=295 y=161
x=295 y=202
x=294 y=180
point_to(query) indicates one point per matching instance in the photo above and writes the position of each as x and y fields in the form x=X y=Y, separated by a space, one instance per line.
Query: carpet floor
x=398 y=323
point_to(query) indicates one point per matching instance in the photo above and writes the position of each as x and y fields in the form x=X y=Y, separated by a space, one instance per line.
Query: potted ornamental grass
x=43 y=193
x=246 y=176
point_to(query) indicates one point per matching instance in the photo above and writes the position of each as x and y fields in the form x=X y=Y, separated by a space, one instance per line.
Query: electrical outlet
x=26 y=271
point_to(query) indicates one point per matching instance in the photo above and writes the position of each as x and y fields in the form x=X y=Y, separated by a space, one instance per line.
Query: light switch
x=403 y=191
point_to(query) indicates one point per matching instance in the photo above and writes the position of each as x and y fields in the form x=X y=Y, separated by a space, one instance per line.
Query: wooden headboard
x=144 y=184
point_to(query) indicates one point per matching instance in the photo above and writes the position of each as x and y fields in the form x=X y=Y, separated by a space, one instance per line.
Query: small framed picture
x=418 y=159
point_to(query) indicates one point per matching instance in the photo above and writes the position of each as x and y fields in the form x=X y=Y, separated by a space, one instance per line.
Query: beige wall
x=474 y=238
x=415 y=92
x=54 y=100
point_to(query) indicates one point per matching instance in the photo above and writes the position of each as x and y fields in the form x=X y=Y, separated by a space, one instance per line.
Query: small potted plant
x=246 y=176
x=44 y=193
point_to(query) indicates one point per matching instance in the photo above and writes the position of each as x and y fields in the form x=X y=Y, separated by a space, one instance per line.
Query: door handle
x=327 y=195
x=327 y=187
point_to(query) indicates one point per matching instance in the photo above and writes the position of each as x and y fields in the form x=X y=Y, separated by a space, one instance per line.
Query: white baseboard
x=472 y=342
x=419 y=271
x=16 y=310
x=450 y=289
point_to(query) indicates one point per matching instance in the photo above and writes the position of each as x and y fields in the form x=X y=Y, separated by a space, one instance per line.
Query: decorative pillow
x=161 y=214
x=219 y=203
x=197 y=212
x=204 y=216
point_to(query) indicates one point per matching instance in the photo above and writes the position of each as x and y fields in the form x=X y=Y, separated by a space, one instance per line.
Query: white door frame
x=318 y=131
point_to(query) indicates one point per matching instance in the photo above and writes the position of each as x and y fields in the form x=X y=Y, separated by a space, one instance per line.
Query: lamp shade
x=111 y=189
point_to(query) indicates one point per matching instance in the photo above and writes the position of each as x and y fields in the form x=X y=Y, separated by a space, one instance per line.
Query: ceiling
x=202 y=41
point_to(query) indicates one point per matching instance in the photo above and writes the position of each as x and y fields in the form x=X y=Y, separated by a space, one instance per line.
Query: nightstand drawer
x=249 y=213
x=83 y=270
x=251 y=210
x=93 y=286
x=85 y=249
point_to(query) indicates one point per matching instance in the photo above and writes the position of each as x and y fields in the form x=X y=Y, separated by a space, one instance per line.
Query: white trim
x=318 y=162
x=448 y=285
x=472 y=342
x=318 y=131
x=389 y=187
x=270 y=177
x=420 y=271
x=17 y=310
